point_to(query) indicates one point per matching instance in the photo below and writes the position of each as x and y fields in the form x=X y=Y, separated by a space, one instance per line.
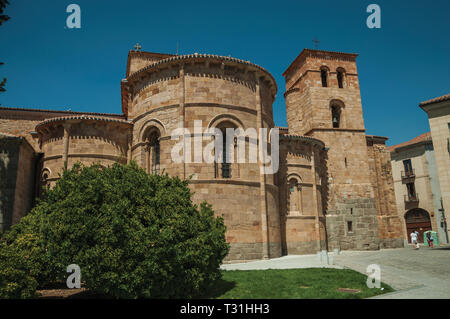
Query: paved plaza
x=415 y=274
x=423 y=273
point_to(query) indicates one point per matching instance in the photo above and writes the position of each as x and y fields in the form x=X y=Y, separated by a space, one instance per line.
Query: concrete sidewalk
x=414 y=274
x=285 y=262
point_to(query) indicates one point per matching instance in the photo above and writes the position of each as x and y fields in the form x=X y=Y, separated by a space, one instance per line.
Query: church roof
x=81 y=117
x=197 y=55
x=43 y=111
x=319 y=53
x=153 y=55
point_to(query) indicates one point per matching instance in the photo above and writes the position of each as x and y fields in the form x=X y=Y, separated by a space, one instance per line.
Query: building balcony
x=408 y=174
x=411 y=198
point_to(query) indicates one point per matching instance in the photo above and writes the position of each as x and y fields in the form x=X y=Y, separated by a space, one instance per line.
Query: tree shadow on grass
x=60 y=291
x=219 y=288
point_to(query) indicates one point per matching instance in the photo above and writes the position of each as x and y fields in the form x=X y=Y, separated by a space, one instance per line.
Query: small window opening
x=336 y=116
x=323 y=75
x=226 y=164
x=340 y=78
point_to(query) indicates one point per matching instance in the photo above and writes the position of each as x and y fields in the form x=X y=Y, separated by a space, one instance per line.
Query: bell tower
x=323 y=101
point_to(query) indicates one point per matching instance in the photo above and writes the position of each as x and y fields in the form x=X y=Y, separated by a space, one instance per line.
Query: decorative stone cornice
x=359 y=130
x=183 y=59
x=43 y=114
x=291 y=90
x=77 y=118
x=307 y=139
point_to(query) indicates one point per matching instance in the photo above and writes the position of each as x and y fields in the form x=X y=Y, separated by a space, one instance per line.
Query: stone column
x=130 y=143
x=299 y=199
x=262 y=177
x=151 y=161
x=314 y=191
x=66 y=143
x=183 y=113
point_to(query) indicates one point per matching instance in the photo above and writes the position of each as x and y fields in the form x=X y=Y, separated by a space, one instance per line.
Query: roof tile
x=418 y=139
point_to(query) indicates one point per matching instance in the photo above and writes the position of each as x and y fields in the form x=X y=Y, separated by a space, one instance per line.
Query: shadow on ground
x=442 y=248
x=58 y=291
x=219 y=288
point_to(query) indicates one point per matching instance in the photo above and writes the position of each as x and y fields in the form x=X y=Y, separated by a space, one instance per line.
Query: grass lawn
x=306 y=283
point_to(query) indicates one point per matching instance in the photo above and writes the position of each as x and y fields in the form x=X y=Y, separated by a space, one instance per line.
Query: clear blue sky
x=52 y=67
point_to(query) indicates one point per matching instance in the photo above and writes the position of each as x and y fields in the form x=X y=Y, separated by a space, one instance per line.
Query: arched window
x=227 y=157
x=324 y=76
x=340 y=77
x=153 y=151
x=337 y=116
x=295 y=197
x=45 y=184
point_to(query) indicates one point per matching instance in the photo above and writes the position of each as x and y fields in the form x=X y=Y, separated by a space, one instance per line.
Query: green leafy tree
x=16 y=277
x=132 y=234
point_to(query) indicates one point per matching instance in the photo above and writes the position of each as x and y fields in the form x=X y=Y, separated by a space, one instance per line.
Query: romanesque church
x=334 y=186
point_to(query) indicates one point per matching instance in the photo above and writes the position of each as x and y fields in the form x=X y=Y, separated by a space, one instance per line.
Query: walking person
x=418 y=236
x=430 y=239
x=414 y=239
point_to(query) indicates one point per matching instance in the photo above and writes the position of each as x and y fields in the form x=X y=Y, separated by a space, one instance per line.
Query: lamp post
x=444 y=220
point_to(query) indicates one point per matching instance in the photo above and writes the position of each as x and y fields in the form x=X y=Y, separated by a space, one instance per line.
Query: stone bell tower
x=323 y=101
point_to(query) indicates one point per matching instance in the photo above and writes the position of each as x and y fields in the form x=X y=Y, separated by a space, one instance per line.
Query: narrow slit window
x=340 y=78
x=324 y=75
x=226 y=164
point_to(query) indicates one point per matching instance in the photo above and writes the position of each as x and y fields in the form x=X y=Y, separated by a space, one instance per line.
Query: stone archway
x=417 y=219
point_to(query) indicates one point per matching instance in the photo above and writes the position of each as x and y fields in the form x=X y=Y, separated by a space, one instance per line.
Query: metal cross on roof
x=316 y=42
x=137 y=47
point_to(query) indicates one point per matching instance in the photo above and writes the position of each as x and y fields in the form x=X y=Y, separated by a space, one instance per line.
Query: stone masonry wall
x=351 y=215
x=17 y=182
x=389 y=224
x=363 y=234
x=219 y=94
x=25 y=182
x=9 y=163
